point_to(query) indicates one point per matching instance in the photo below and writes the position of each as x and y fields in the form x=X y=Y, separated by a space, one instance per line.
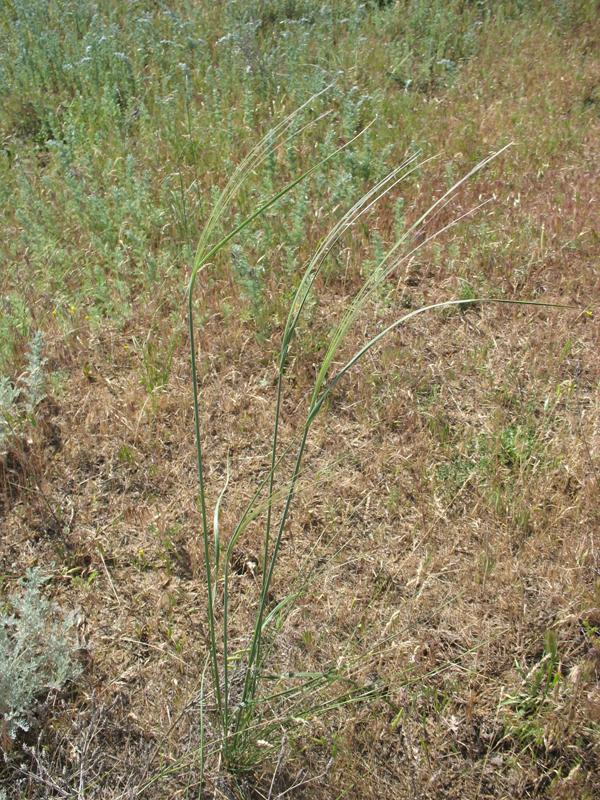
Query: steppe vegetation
x=431 y=624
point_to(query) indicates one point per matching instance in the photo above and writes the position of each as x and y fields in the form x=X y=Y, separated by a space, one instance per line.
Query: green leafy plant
x=237 y=679
x=19 y=399
x=528 y=706
x=37 y=653
x=9 y=395
x=34 y=378
x=157 y=361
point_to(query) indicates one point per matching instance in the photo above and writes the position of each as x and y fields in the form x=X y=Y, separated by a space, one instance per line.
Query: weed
x=8 y=397
x=36 y=653
x=14 y=325
x=250 y=279
x=34 y=377
x=238 y=706
x=157 y=361
x=19 y=399
x=528 y=706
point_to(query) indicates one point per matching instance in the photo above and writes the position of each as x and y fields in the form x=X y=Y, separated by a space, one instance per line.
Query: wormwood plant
x=19 y=401
x=36 y=653
x=239 y=707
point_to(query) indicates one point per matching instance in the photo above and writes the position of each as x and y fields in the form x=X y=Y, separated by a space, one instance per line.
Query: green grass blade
x=402 y=320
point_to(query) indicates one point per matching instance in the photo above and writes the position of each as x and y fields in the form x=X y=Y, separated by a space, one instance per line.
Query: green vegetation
x=107 y=168
x=239 y=727
x=36 y=654
x=18 y=403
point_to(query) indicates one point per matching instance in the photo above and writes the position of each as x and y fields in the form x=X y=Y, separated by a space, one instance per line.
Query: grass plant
x=237 y=715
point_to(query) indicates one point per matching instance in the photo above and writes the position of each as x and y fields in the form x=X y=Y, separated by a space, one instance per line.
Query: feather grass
x=238 y=724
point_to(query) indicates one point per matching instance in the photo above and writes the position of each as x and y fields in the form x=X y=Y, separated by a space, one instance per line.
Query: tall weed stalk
x=237 y=721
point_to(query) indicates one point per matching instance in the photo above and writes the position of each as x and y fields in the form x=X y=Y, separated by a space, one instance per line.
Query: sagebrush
x=37 y=653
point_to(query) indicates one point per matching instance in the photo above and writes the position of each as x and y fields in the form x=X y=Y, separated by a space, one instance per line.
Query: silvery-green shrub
x=37 y=649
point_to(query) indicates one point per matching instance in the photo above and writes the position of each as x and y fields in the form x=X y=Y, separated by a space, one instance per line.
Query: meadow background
x=446 y=535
